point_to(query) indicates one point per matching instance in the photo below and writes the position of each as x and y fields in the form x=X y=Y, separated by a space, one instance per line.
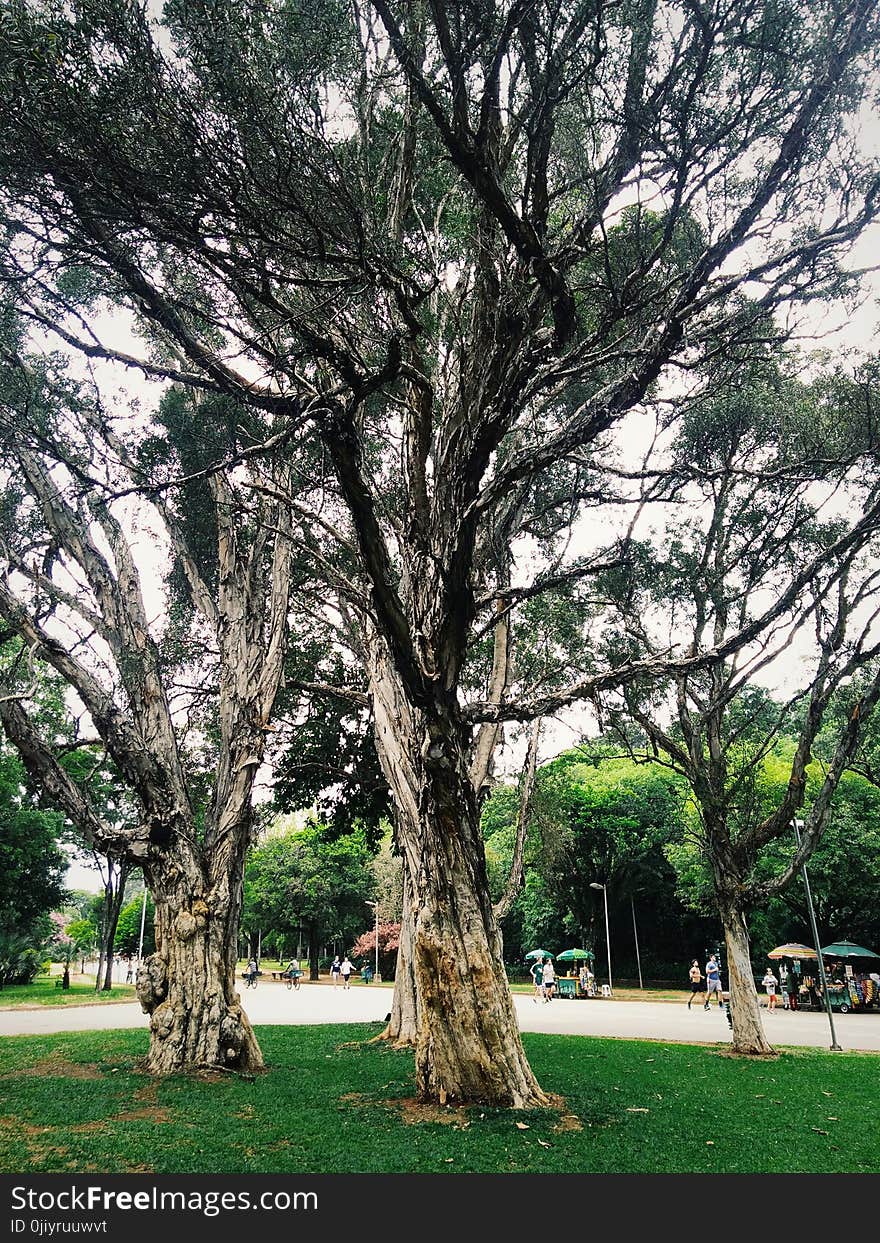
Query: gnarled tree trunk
x=188 y=985
x=468 y=1045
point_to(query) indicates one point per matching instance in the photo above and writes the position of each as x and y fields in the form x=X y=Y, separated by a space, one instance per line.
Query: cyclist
x=250 y=973
x=293 y=972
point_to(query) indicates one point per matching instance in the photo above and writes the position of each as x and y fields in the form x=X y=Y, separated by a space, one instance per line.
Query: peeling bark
x=468 y=1046
x=188 y=985
x=745 y=1013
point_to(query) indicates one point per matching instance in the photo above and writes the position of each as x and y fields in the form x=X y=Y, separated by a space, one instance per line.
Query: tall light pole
x=594 y=884
x=798 y=825
x=636 y=935
x=143 y=917
x=375 y=905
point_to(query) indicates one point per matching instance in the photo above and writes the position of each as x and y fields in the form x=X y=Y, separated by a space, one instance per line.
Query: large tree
x=180 y=710
x=784 y=520
x=460 y=243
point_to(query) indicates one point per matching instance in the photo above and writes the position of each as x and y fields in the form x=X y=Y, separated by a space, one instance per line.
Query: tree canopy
x=443 y=260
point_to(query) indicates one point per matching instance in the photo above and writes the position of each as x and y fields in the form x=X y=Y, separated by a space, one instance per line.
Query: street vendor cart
x=851 y=986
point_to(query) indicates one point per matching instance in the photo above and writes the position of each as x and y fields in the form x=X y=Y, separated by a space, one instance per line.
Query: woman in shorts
x=769 y=981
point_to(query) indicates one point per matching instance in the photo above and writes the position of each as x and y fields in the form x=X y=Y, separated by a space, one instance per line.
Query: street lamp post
x=636 y=935
x=797 y=825
x=375 y=905
x=143 y=918
x=594 y=884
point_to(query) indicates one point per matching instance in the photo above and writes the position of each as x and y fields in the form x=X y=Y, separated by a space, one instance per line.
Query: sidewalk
x=273 y=1004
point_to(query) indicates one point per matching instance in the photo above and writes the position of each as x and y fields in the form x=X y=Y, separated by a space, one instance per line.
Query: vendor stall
x=581 y=984
x=853 y=980
x=797 y=978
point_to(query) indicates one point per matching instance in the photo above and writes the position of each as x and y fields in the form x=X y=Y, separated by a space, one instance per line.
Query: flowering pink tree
x=389 y=940
x=63 y=944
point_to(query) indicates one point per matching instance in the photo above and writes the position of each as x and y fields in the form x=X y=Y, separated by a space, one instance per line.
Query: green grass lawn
x=43 y=992
x=331 y=1103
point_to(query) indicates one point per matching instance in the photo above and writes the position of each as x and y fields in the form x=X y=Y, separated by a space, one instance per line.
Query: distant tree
x=595 y=819
x=309 y=879
x=32 y=868
x=128 y=929
x=389 y=943
x=784 y=543
x=70 y=938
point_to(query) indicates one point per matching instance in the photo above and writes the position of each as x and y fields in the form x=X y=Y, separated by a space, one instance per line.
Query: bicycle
x=292 y=980
x=250 y=980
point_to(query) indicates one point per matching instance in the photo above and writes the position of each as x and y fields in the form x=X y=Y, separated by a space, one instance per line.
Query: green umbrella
x=539 y=954
x=846 y=949
x=573 y=955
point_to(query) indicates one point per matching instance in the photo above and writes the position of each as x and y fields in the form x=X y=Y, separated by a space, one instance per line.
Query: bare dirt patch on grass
x=52 y=1068
x=569 y=1122
x=412 y=1111
x=154 y=1114
x=747 y=1057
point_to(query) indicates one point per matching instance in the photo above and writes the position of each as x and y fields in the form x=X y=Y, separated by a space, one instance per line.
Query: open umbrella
x=793 y=949
x=846 y=949
x=539 y=954
x=573 y=955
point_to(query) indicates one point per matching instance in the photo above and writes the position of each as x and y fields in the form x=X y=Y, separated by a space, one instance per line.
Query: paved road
x=320 y=1003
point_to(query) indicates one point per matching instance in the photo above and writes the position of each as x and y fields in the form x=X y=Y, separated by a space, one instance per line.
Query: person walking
x=549 y=976
x=785 y=986
x=769 y=981
x=537 y=974
x=345 y=970
x=713 y=982
x=695 y=976
x=335 y=968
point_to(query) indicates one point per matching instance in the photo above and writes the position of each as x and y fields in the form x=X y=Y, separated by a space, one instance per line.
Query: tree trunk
x=313 y=952
x=403 y=1027
x=113 y=899
x=468 y=1046
x=65 y=979
x=188 y=985
x=745 y=1013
